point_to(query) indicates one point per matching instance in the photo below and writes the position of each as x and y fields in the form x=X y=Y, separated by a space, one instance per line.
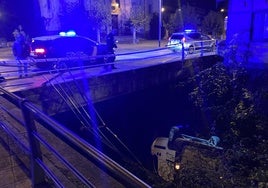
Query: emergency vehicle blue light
x=62 y=33
x=70 y=33
x=188 y=30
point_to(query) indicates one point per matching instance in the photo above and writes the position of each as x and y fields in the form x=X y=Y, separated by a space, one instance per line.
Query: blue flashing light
x=70 y=33
x=62 y=33
x=188 y=30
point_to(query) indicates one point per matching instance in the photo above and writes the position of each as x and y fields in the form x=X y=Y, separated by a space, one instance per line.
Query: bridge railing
x=120 y=58
x=44 y=135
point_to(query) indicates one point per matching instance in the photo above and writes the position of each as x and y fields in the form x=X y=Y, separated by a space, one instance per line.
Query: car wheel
x=191 y=49
x=213 y=48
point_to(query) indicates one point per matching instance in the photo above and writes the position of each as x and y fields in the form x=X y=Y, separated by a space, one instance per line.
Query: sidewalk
x=13 y=172
x=123 y=47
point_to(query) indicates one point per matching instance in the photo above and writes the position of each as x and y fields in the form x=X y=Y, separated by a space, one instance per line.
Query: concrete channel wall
x=52 y=97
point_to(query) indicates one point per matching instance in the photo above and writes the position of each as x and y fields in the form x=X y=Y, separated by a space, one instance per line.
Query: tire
x=191 y=50
x=213 y=48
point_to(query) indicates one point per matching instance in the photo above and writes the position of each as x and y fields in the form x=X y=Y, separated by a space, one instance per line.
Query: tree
x=213 y=24
x=234 y=97
x=100 y=16
x=138 y=19
x=175 y=22
x=185 y=17
x=191 y=19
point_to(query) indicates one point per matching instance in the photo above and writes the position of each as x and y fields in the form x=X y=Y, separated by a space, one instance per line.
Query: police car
x=70 y=46
x=191 y=41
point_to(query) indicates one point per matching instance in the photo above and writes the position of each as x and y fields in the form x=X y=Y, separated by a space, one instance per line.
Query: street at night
x=133 y=93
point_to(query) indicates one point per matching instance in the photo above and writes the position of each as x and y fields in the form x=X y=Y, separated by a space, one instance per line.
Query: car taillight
x=40 y=51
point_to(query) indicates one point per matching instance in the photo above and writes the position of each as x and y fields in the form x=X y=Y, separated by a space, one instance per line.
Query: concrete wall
x=241 y=14
x=100 y=88
x=248 y=24
x=239 y=19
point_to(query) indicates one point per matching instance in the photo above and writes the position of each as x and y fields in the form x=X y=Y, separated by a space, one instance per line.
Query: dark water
x=138 y=118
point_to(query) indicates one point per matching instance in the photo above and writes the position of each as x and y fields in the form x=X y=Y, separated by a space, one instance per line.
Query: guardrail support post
x=37 y=173
x=202 y=49
x=182 y=53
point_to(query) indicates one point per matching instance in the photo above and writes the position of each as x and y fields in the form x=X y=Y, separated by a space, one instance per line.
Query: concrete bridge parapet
x=63 y=92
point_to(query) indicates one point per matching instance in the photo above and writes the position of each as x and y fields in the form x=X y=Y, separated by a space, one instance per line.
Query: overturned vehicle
x=181 y=157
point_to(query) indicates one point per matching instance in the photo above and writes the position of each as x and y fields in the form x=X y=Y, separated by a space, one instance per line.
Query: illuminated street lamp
x=115 y=7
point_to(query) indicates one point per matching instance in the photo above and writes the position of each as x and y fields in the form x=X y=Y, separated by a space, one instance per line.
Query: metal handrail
x=39 y=170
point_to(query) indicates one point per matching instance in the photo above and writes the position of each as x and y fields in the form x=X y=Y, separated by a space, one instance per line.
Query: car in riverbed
x=191 y=41
x=68 y=48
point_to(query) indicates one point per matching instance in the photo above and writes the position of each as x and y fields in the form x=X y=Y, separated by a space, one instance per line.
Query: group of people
x=21 y=50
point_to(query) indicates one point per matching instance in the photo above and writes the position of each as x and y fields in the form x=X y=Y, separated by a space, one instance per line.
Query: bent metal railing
x=41 y=171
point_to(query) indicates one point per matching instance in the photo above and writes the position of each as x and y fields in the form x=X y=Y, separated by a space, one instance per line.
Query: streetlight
x=160 y=23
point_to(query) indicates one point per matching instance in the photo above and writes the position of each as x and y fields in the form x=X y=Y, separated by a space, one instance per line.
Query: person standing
x=20 y=51
x=111 y=44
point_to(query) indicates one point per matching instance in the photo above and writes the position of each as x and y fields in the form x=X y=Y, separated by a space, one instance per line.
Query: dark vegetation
x=233 y=99
x=228 y=99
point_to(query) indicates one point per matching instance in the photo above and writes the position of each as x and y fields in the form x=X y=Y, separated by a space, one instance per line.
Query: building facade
x=53 y=12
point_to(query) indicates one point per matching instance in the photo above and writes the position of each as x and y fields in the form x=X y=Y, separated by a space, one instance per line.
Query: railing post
x=182 y=52
x=37 y=173
x=216 y=47
x=202 y=48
